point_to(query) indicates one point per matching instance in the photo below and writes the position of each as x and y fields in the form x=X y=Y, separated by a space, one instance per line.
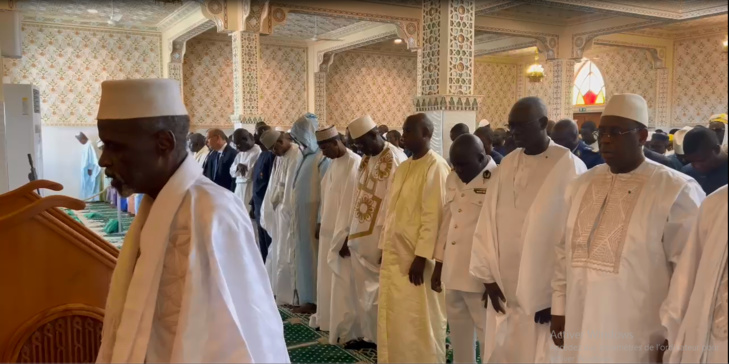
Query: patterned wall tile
x=497 y=83
x=700 y=80
x=462 y=14
x=629 y=71
x=68 y=65
x=382 y=86
x=283 y=84
x=208 y=82
x=430 y=67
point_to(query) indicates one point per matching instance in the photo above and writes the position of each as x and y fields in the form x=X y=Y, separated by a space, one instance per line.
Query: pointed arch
x=589 y=86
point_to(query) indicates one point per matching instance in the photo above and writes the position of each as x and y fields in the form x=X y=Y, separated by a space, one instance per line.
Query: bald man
x=466 y=188
x=411 y=323
x=217 y=164
x=566 y=134
x=458 y=130
x=513 y=250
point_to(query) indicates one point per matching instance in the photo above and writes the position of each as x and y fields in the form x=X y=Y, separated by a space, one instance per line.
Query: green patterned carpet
x=305 y=344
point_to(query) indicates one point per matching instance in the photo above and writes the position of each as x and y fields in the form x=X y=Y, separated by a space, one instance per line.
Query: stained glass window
x=589 y=86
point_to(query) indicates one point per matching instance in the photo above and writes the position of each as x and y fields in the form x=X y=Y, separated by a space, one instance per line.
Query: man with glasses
x=519 y=226
x=627 y=225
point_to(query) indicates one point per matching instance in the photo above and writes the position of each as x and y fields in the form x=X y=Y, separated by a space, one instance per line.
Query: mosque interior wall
x=699 y=80
x=381 y=85
x=497 y=83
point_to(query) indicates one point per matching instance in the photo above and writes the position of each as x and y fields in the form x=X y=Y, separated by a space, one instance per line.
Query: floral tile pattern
x=283 y=84
x=700 y=80
x=382 y=86
x=68 y=65
x=208 y=82
x=497 y=84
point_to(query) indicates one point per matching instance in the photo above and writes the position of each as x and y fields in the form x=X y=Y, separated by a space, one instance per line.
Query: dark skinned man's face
x=705 y=159
x=621 y=141
x=466 y=165
x=130 y=157
x=486 y=143
x=414 y=135
x=331 y=148
x=283 y=144
x=588 y=136
x=719 y=128
x=392 y=139
x=526 y=132
x=243 y=142
x=369 y=143
x=565 y=138
x=659 y=146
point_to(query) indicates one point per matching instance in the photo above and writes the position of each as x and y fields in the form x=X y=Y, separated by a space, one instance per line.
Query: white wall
x=62 y=156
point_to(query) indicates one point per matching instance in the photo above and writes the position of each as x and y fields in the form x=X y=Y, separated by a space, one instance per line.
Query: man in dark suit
x=566 y=134
x=221 y=157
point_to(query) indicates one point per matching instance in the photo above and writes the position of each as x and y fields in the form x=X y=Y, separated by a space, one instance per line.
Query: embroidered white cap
x=483 y=122
x=142 y=98
x=326 y=134
x=361 y=126
x=269 y=138
x=629 y=106
x=678 y=138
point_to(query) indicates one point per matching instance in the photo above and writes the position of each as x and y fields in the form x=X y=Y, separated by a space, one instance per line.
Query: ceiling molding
x=484 y=7
x=178 y=15
x=350 y=29
x=650 y=10
x=283 y=42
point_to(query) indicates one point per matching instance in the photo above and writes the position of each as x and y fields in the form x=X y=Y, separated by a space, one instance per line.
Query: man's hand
x=496 y=296
x=318 y=230
x=90 y=172
x=557 y=328
x=344 y=252
x=544 y=316
x=416 y=271
x=435 y=283
x=244 y=169
x=252 y=215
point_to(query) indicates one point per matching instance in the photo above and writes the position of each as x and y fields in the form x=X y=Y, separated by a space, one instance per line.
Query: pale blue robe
x=306 y=205
x=89 y=162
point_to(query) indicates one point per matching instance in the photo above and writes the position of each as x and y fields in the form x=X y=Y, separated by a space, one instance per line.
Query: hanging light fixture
x=726 y=45
x=535 y=73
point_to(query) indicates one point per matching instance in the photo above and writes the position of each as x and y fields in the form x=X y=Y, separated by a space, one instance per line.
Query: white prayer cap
x=678 y=138
x=484 y=122
x=99 y=144
x=326 y=134
x=628 y=106
x=269 y=138
x=143 y=98
x=361 y=126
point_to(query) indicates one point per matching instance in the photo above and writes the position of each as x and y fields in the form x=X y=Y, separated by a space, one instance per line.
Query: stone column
x=563 y=74
x=246 y=77
x=446 y=67
x=175 y=65
x=320 y=88
x=663 y=98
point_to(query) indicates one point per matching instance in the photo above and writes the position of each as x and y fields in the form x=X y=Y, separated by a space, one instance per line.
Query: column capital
x=446 y=103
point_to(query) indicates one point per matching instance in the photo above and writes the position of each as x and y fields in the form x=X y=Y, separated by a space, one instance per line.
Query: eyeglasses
x=522 y=126
x=614 y=132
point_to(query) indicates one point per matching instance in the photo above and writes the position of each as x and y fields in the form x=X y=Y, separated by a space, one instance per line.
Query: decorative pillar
x=175 y=65
x=560 y=103
x=246 y=76
x=663 y=97
x=320 y=88
x=446 y=68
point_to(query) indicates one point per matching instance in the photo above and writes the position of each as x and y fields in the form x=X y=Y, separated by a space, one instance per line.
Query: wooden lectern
x=54 y=279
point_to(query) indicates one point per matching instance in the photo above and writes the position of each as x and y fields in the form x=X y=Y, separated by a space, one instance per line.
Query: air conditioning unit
x=10 y=34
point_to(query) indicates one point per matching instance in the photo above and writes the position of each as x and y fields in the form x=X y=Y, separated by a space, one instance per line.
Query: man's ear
x=643 y=135
x=166 y=142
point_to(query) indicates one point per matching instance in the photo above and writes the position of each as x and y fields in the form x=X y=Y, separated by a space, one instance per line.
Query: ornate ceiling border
x=583 y=41
x=178 y=15
x=656 y=54
x=548 y=43
x=635 y=11
x=512 y=47
x=324 y=55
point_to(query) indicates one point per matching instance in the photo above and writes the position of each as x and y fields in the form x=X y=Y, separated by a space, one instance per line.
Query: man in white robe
x=196 y=144
x=242 y=167
x=696 y=308
x=90 y=169
x=355 y=256
x=466 y=188
x=281 y=189
x=626 y=228
x=337 y=188
x=189 y=285
x=519 y=226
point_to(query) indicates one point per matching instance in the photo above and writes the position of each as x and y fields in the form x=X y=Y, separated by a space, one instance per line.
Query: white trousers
x=343 y=308
x=466 y=316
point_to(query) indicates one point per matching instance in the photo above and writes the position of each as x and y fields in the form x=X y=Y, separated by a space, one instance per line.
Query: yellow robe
x=411 y=324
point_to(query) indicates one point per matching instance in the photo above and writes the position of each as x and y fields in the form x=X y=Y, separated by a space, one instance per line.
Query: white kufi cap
x=326 y=134
x=361 y=126
x=144 y=98
x=629 y=106
x=678 y=138
x=483 y=123
x=269 y=138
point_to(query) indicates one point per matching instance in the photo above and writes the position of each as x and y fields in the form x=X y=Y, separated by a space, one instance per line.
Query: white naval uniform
x=464 y=306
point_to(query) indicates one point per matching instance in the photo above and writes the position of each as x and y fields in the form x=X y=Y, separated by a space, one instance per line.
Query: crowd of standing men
x=544 y=243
